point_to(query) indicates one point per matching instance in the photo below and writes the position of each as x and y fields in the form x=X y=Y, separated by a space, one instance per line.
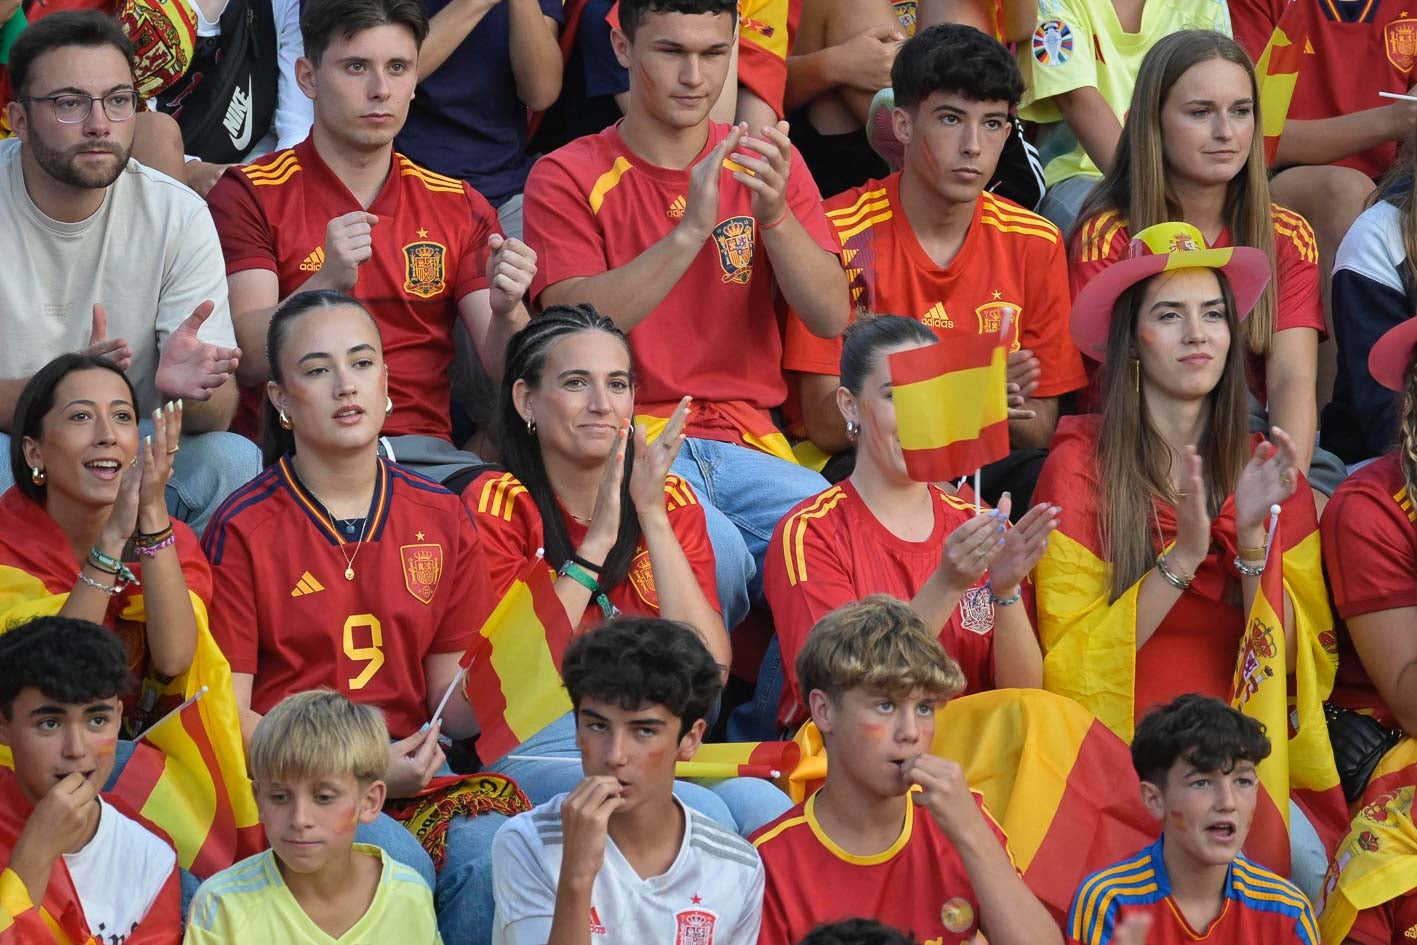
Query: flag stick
x=977 y=507
x=1399 y=96
x=448 y=694
x=560 y=759
x=1273 y=524
x=177 y=711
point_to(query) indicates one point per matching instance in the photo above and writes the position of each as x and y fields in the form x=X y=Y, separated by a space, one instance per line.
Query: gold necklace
x=349 y=559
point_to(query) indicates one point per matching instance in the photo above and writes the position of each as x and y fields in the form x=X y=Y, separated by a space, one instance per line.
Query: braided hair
x=527 y=352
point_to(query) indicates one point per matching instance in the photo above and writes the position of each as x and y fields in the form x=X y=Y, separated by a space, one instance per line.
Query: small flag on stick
x=951 y=406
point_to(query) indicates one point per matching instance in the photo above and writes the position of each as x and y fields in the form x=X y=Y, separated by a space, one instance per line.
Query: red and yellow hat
x=1390 y=355
x=1165 y=247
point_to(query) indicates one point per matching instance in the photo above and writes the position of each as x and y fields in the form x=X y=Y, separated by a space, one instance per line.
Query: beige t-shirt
x=150 y=254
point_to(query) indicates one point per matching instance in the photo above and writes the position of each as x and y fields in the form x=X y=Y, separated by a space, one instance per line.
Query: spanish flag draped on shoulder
x=1277 y=74
x=513 y=678
x=1377 y=861
x=199 y=793
x=1300 y=766
x=951 y=406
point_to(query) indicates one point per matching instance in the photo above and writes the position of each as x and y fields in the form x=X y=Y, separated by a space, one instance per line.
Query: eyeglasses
x=72 y=108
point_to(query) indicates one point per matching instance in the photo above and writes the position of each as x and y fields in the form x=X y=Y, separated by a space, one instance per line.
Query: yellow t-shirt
x=250 y=904
x=1080 y=43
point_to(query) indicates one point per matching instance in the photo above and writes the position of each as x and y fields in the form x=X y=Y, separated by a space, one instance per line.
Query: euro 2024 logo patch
x=735 y=238
x=1052 y=43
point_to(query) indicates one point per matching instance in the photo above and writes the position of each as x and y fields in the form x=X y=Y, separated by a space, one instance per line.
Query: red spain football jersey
x=285 y=612
x=1392 y=923
x=1369 y=542
x=1351 y=51
x=594 y=205
x=918 y=885
x=510 y=527
x=1011 y=263
x=430 y=250
x=830 y=550
x=1103 y=240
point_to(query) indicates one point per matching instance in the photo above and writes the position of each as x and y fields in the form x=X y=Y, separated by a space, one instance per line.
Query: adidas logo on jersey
x=1410 y=933
x=677 y=208
x=315 y=261
x=306 y=585
x=936 y=317
x=596 y=926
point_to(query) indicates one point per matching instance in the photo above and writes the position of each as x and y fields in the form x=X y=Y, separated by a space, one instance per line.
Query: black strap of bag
x=227 y=100
x=1359 y=743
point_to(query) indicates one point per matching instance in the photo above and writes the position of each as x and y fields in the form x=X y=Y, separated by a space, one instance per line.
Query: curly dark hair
x=638 y=661
x=856 y=932
x=68 y=660
x=1208 y=733
x=951 y=57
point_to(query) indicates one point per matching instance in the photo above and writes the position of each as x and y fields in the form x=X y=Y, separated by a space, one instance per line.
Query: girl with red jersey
x=1142 y=594
x=598 y=502
x=880 y=532
x=85 y=533
x=1193 y=151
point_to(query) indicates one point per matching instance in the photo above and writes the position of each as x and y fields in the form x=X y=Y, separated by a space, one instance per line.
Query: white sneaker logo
x=238 y=117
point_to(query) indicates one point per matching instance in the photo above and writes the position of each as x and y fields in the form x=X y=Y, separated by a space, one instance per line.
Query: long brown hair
x=1137 y=186
x=1136 y=461
x=1406 y=430
x=1399 y=188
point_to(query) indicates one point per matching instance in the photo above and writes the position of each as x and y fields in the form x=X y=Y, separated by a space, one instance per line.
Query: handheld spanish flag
x=513 y=678
x=951 y=406
x=1377 y=861
x=1277 y=74
x=187 y=774
x=770 y=761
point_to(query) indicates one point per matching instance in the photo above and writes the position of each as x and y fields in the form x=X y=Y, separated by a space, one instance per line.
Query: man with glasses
x=108 y=257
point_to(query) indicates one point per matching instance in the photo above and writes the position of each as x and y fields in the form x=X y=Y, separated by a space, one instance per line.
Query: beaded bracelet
x=110 y=591
x=1004 y=601
x=149 y=551
x=1171 y=577
x=1248 y=570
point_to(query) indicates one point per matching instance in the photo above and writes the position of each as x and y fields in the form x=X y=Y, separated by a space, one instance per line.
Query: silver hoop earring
x=530 y=426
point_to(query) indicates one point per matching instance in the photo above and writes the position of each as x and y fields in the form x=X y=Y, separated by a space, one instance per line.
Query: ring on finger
x=173 y=450
x=1285 y=481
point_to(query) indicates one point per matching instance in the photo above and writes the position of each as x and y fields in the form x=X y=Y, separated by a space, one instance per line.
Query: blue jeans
x=1062 y=201
x=740 y=804
x=462 y=889
x=209 y=467
x=745 y=493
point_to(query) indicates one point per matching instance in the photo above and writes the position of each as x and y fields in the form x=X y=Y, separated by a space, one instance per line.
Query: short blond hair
x=879 y=644
x=319 y=734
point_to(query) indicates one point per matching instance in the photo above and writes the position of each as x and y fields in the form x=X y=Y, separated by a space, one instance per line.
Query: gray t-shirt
x=150 y=254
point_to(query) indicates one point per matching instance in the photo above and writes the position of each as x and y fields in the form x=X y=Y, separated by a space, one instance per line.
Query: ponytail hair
x=869 y=335
x=276 y=441
x=527 y=352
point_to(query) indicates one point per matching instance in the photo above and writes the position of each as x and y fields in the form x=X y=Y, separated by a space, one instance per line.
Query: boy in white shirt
x=70 y=857
x=619 y=859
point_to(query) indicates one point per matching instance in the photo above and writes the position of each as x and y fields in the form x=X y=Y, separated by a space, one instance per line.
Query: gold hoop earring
x=37 y=475
x=1136 y=375
x=388 y=405
x=284 y=420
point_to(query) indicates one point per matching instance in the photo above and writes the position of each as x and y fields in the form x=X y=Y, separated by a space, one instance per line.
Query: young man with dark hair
x=1197 y=760
x=856 y=932
x=109 y=257
x=929 y=242
x=342 y=210
x=619 y=858
x=874 y=676
x=680 y=229
x=71 y=859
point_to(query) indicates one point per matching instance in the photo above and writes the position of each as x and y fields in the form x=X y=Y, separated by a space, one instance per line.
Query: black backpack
x=227 y=100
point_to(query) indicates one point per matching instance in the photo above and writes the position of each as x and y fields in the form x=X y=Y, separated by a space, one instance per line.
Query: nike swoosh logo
x=243 y=141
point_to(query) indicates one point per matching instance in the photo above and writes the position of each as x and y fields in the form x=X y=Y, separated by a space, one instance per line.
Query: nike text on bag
x=227 y=100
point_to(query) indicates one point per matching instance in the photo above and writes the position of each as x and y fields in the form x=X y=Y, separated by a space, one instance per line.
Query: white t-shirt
x=712 y=894
x=150 y=254
x=119 y=874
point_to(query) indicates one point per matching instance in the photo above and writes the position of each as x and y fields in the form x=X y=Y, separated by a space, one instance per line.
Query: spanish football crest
x=905 y=13
x=642 y=579
x=976 y=614
x=422 y=567
x=1052 y=43
x=424 y=273
x=991 y=318
x=1400 y=38
x=957 y=915
x=1182 y=243
x=694 y=927
x=735 y=237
